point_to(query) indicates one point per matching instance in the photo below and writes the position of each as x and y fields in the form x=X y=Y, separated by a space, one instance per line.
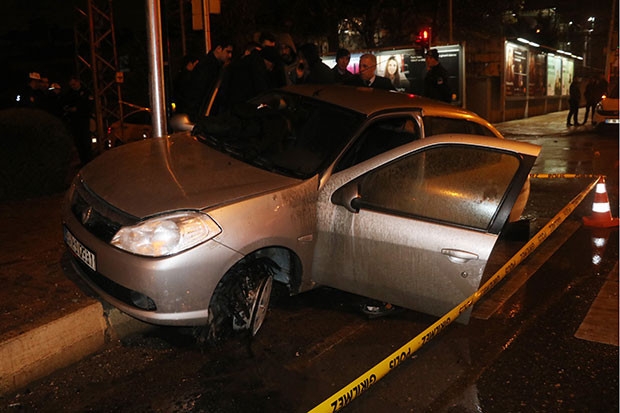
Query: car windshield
x=281 y=132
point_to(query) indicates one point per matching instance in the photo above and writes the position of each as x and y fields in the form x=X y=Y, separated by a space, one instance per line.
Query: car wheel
x=241 y=299
x=261 y=304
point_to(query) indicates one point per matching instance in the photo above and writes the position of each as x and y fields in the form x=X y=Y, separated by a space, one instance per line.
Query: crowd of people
x=72 y=104
x=272 y=61
x=216 y=83
x=594 y=90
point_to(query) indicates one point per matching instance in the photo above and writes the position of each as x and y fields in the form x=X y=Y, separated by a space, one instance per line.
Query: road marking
x=489 y=305
x=323 y=346
x=596 y=326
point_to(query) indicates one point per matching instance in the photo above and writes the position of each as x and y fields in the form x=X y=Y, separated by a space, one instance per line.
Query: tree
x=483 y=18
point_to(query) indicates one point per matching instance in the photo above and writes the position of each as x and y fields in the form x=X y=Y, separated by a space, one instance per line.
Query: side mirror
x=181 y=122
x=348 y=196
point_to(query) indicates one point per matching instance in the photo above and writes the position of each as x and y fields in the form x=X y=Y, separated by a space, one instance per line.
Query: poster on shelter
x=392 y=66
x=554 y=75
x=389 y=64
x=516 y=70
x=537 y=85
x=410 y=65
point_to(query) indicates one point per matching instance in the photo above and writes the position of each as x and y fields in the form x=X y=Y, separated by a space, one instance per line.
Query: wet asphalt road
x=524 y=358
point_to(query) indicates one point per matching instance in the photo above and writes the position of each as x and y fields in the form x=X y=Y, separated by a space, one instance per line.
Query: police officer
x=436 y=79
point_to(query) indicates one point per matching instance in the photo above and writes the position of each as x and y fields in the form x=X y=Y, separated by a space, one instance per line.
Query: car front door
x=415 y=226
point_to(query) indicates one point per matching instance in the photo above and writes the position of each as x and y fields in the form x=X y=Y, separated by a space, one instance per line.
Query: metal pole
x=94 y=67
x=156 y=66
x=450 y=18
x=206 y=24
x=182 y=18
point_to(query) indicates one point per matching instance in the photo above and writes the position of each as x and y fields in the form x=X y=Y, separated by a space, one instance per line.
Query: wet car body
x=607 y=112
x=320 y=205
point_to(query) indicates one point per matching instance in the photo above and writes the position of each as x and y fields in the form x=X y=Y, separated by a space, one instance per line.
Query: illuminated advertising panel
x=392 y=66
x=516 y=70
x=407 y=67
x=537 y=75
x=554 y=75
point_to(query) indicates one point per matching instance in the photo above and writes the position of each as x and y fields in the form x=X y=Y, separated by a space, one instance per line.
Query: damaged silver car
x=381 y=194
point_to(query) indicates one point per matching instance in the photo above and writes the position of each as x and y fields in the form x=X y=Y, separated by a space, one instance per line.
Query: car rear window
x=440 y=125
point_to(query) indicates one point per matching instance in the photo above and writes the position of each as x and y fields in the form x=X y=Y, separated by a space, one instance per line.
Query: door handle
x=459 y=256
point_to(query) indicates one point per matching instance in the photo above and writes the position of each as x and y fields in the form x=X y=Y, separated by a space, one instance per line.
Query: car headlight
x=166 y=234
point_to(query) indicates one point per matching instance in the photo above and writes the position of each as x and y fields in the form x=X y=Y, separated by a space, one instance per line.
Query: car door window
x=452 y=184
x=437 y=125
x=379 y=137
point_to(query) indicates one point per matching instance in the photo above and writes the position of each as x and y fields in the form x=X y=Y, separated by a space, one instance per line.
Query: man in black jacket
x=436 y=79
x=367 y=77
x=208 y=77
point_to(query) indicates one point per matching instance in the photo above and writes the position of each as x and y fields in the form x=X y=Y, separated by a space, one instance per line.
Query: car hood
x=172 y=173
x=609 y=104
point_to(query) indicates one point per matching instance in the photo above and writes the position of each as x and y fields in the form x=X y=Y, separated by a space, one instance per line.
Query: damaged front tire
x=241 y=299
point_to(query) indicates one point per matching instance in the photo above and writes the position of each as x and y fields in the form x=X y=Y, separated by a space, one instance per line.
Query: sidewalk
x=549 y=124
x=46 y=321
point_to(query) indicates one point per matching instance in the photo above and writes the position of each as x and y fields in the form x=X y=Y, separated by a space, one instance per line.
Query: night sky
x=28 y=27
x=18 y=13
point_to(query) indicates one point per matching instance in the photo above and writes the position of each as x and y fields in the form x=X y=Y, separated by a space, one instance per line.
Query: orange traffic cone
x=601 y=212
x=599 y=243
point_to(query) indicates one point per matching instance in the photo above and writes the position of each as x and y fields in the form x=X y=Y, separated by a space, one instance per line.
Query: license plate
x=83 y=253
x=612 y=121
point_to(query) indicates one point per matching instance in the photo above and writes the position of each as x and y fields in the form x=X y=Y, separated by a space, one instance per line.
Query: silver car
x=606 y=116
x=381 y=194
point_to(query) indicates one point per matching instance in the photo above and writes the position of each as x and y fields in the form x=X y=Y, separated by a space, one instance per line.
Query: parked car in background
x=381 y=194
x=135 y=126
x=607 y=112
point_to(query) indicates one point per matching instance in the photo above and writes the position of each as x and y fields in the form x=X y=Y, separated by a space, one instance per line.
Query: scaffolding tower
x=97 y=64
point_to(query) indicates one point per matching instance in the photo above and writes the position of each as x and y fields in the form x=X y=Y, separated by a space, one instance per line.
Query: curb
x=60 y=343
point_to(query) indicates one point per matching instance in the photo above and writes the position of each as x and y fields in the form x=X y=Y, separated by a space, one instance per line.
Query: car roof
x=369 y=101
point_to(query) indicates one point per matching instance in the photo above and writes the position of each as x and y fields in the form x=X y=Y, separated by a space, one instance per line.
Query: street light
x=586 y=45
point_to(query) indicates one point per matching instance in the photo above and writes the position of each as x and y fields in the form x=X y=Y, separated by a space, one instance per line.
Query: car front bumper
x=174 y=290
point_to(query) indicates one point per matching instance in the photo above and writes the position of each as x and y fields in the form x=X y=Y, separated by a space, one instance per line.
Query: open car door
x=415 y=226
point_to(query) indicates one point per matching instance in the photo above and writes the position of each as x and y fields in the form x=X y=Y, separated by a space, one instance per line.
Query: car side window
x=379 y=137
x=437 y=125
x=461 y=185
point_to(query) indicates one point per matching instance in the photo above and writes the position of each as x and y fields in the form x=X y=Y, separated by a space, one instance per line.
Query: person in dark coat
x=258 y=70
x=573 y=102
x=436 y=80
x=367 y=77
x=184 y=95
x=209 y=72
x=77 y=107
x=341 y=72
x=31 y=96
x=310 y=67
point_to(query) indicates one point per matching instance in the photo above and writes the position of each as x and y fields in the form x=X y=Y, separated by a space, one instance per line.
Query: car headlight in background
x=599 y=107
x=166 y=234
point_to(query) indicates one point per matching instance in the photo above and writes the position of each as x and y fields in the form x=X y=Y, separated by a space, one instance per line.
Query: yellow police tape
x=354 y=389
x=566 y=176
